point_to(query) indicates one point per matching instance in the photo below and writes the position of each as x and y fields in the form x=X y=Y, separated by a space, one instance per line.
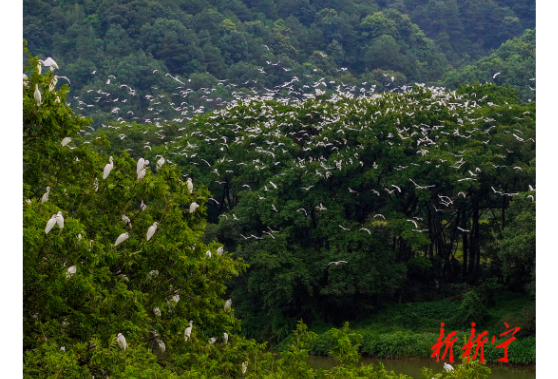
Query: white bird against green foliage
x=208 y=253
x=108 y=168
x=160 y=163
x=65 y=141
x=44 y=198
x=220 y=250
x=193 y=207
x=50 y=224
x=190 y=185
x=157 y=312
x=188 y=332
x=71 y=271
x=244 y=367
x=60 y=220
x=225 y=338
x=141 y=165
x=228 y=304
x=212 y=340
x=448 y=367
x=121 y=238
x=121 y=341
x=37 y=95
x=151 y=230
x=50 y=63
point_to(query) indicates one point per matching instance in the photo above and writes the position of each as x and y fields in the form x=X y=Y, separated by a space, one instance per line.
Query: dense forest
x=147 y=60
x=218 y=177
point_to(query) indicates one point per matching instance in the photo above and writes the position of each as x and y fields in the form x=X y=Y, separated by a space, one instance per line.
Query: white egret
x=96 y=184
x=188 y=332
x=161 y=345
x=121 y=341
x=65 y=141
x=228 y=304
x=127 y=220
x=60 y=220
x=121 y=238
x=225 y=338
x=212 y=340
x=193 y=207
x=44 y=199
x=151 y=230
x=50 y=63
x=448 y=367
x=37 y=95
x=365 y=230
x=190 y=185
x=208 y=253
x=143 y=206
x=244 y=367
x=71 y=271
x=220 y=250
x=157 y=312
x=108 y=168
x=141 y=164
x=50 y=224
x=336 y=263
x=160 y=163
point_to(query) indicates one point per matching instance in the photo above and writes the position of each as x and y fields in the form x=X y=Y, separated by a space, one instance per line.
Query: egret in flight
x=336 y=263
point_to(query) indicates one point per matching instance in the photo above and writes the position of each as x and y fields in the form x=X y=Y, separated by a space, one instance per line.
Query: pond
x=412 y=367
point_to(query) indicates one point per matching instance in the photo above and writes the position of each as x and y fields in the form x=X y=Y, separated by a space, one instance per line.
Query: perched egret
x=220 y=250
x=228 y=304
x=157 y=312
x=448 y=367
x=193 y=207
x=160 y=345
x=44 y=199
x=143 y=206
x=244 y=367
x=141 y=165
x=38 y=99
x=108 y=168
x=212 y=340
x=190 y=185
x=60 y=220
x=141 y=175
x=71 y=271
x=126 y=219
x=188 y=332
x=208 y=253
x=151 y=230
x=225 y=338
x=65 y=141
x=50 y=63
x=96 y=184
x=121 y=341
x=160 y=163
x=121 y=238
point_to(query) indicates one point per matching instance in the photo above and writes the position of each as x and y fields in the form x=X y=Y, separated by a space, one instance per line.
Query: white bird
x=143 y=206
x=121 y=238
x=121 y=341
x=190 y=185
x=108 y=168
x=273 y=184
x=141 y=164
x=208 y=253
x=160 y=163
x=220 y=250
x=336 y=263
x=448 y=367
x=244 y=367
x=193 y=207
x=141 y=174
x=37 y=95
x=151 y=230
x=303 y=210
x=71 y=271
x=225 y=338
x=342 y=227
x=321 y=207
x=212 y=340
x=50 y=63
x=188 y=332
x=60 y=220
x=365 y=230
x=161 y=345
x=65 y=141
x=44 y=198
x=307 y=188
x=157 y=312
x=463 y=230
x=379 y=215
x=50 y=224
x=495 y=75
x=228 y=305
x=96 y=184
x=414 y=222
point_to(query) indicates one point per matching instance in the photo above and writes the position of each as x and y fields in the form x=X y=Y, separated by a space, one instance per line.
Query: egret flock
x=326 y=141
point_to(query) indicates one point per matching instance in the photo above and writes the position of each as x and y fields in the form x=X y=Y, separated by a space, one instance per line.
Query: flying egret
x=50 y=224
x=193 y=207
x=336 y=263
x=365 y=230
x=121 y=238
x=108 y=168
x=151 y=230
x=414 y=222
x=44 y=199
x=228 y=304
x=448 y=367
x=188 y=332
x=121 y=341
x=65 y=141
x=71 y=271
x=60 y=220
x=225 y=338
x=190 y=185
x=37 y=95
x=50 y=63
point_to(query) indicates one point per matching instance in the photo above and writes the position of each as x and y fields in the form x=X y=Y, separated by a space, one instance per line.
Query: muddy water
x=412 y=367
